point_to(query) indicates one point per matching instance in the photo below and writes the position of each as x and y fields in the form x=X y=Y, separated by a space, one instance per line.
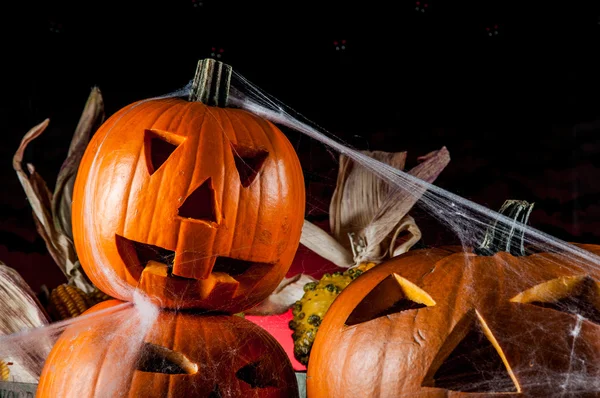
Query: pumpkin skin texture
x=197 y=206
x=231 y=357
x=481 y=307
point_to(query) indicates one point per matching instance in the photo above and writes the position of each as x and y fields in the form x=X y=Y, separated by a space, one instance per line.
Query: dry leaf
x=52 y=212
x=34 y=200
x=287 y=293
x=91 y=118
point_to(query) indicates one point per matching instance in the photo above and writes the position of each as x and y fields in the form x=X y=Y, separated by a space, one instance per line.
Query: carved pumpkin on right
x=448 y=322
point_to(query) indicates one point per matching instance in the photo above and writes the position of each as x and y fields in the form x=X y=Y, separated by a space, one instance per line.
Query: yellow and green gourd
x=311 y=308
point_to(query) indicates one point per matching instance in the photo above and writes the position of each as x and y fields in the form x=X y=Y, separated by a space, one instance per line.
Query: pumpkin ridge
x=136 y=165
x=122 y=219
x=272 y=150
x=177 y=115
x=154 y=202
x=128 y=202
x=127 y=112
x=224 y=148
x=168 y=112
x=381 y=360
x=282 y=192
x=238 y=123
x=98 y=370
x=234 y=221
x=198 y=137
x=348 y=363
x=227 y=177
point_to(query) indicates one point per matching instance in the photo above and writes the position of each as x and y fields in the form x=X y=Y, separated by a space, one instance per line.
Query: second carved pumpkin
x=113 y=351
x=444 y=322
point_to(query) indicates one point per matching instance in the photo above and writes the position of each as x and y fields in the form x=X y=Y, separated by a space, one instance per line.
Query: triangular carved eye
x=201 y=204
x=577 y=295
x=249 y=162
x=471 y=360
x=392 y=295
x=258 y=374
x=158 y=146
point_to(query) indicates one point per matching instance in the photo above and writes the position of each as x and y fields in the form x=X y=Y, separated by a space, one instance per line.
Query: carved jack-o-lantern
x=444 y=322
x=198 y=206
x=182 y=355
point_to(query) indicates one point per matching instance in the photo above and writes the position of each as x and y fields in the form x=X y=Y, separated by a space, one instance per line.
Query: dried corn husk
x=368 y=217
x=20 y=310
x=19 y=307
x=52 y=211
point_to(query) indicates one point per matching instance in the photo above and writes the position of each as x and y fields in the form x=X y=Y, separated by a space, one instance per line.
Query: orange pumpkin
x=444 y=322
x=199 y=206
x=182 y=355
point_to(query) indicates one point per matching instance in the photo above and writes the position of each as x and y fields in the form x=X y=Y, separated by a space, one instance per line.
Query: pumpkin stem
x=211 y=83
x=501 y=237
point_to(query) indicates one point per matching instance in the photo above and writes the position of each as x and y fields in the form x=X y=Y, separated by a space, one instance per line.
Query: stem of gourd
x=211 y=83
x=507 y=237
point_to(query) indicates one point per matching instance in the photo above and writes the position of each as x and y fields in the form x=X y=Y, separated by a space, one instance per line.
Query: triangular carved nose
x=471 y=360
x=201 y=204
x=249 y=162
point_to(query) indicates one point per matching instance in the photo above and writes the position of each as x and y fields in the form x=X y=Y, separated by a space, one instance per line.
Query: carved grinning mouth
x=137 y=256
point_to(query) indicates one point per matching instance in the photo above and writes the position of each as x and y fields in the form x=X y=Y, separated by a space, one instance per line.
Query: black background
x=518 y=110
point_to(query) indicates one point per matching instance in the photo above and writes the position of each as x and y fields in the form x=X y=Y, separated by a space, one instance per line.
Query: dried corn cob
x=97 y=296
x=67 y=301
x=4 y=371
